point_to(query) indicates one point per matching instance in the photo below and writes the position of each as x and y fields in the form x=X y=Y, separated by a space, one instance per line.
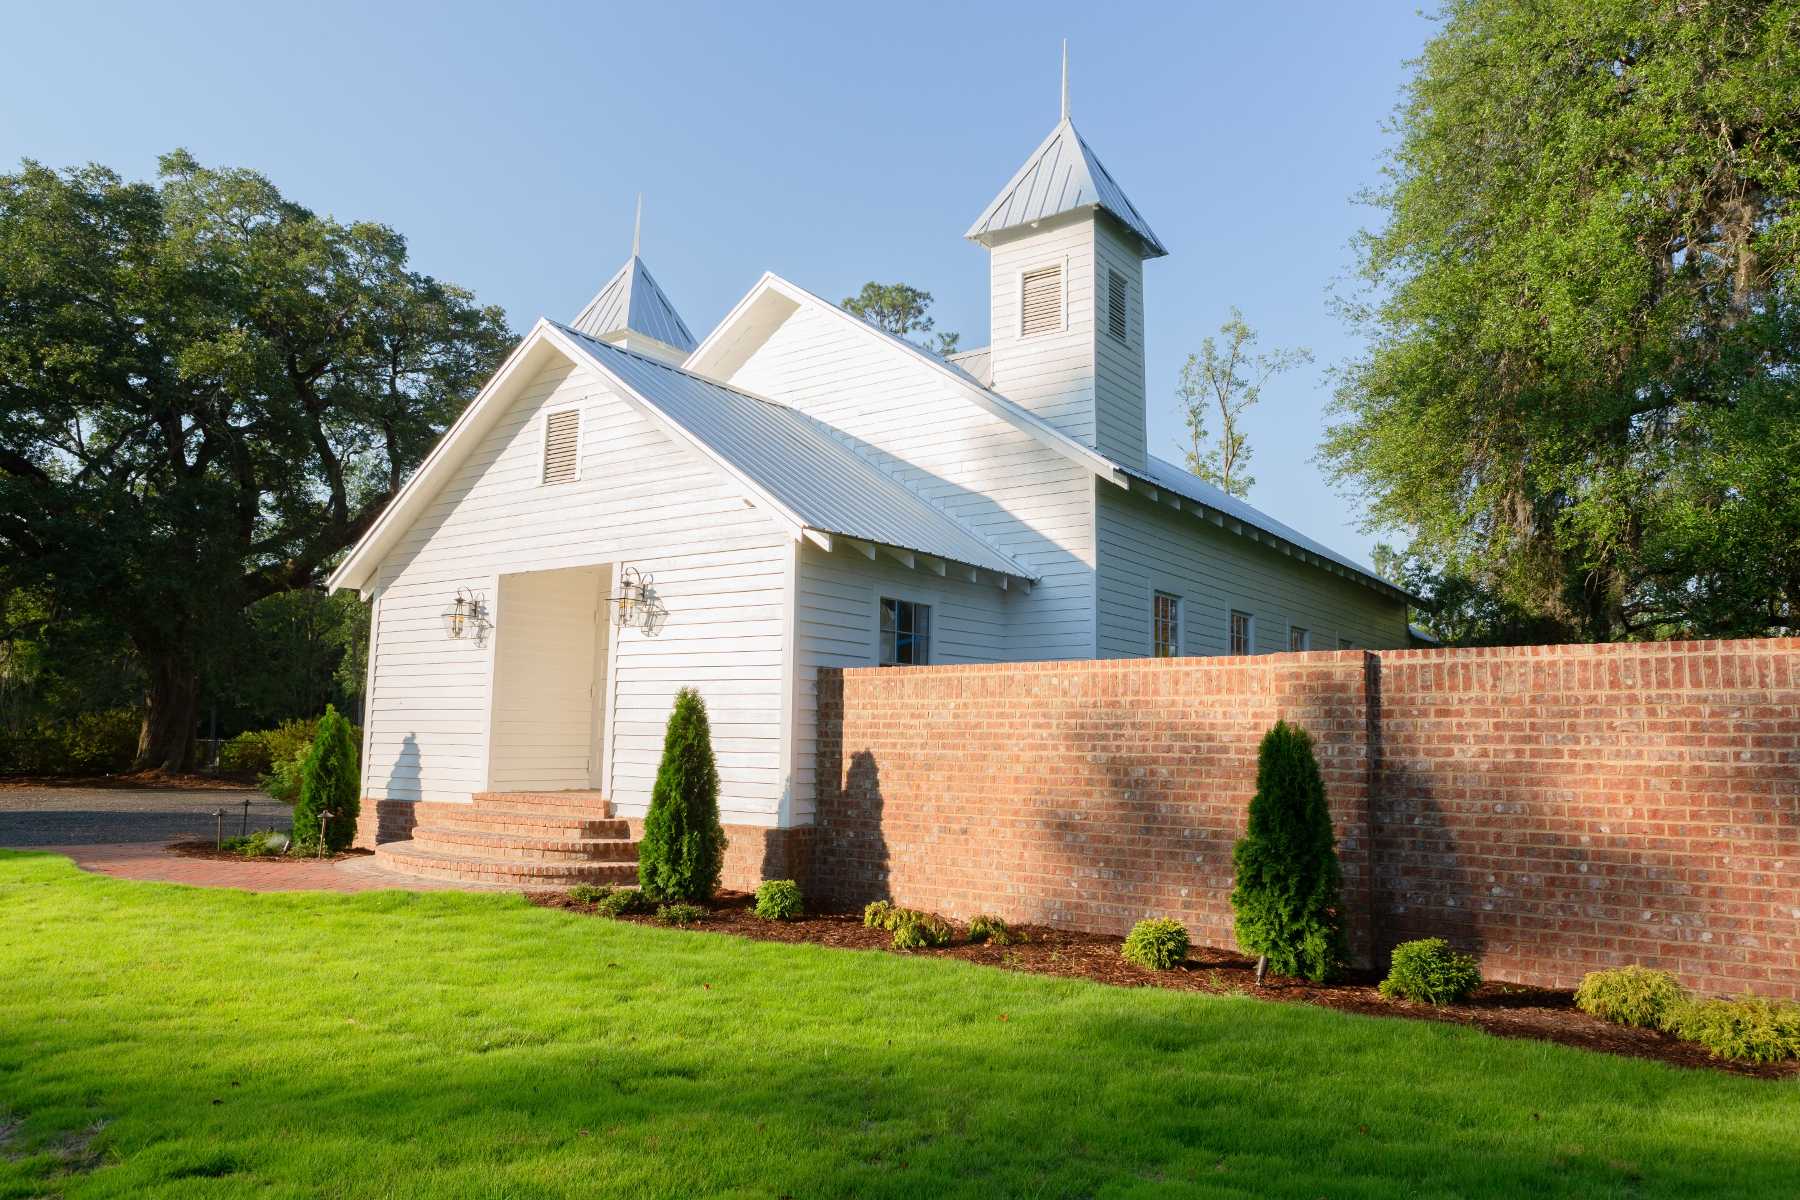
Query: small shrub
x=328 y=784
x=991 y=929
x=683 y=847
x=621 y=902
x=914 y=930
x=1747 y=1030
x=879 y=914
x=261 y=844
x=680 y=914
x=1285 y=892
x=590 y=893
x=1634 y=996
x=246 y=754
x=779 y=900
x=1157 y=944
x=1430 y=971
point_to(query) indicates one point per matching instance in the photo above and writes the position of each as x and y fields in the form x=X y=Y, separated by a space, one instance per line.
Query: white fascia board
x=366 y=555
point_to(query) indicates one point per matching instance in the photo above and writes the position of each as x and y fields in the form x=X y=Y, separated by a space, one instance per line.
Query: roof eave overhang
x=1231 y=523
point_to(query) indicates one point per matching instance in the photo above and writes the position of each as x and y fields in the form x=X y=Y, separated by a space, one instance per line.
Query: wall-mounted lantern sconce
x=635 y=605
x=467 y=615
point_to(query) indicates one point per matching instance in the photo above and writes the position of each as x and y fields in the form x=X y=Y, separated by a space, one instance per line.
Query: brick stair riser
x=526 y=849
x=473 y=818
x=586 y=804
x=526 y=874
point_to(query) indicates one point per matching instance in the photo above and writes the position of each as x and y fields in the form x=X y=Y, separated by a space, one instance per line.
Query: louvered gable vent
x=1041 y=301
x=562 y=445
x=1115 y=304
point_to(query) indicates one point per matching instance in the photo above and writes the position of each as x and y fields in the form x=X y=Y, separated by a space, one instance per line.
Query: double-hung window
x=1298 y=638
x=1242 y=633
x=905 y=633
x=1165 y=625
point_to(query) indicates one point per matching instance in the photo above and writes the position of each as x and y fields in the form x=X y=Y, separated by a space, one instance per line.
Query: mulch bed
x=135 y=781
x=204 y=849
x=1502 y=1009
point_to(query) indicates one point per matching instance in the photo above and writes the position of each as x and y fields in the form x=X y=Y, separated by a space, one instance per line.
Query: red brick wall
x=1552 y=808
x=1083 y=794
x=1560 y=808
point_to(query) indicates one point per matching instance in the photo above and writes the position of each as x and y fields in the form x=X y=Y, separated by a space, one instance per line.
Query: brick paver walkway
x=151 y=861
x=123 y=832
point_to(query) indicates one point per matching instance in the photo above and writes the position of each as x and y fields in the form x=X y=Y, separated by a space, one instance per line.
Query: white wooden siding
x=1052 y=374
x=640 y=499
x=900 y=415
x=838 y=625
x=1146 y=547
x=1119 y=402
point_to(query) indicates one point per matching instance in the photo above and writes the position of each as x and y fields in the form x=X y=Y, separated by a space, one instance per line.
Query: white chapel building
x=625 y=510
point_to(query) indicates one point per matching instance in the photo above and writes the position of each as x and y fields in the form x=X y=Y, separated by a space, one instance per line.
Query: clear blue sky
x=831 y=144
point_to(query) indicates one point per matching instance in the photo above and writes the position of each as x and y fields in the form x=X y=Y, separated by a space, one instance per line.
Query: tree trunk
x=167 y=737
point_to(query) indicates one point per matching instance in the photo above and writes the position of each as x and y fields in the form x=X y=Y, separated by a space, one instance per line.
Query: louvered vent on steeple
x=1041 y=300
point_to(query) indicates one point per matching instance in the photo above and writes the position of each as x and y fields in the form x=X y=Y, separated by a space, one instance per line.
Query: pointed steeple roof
x=631 y=302
x=1062 y=175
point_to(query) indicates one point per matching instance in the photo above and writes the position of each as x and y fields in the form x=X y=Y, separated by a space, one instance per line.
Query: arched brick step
x=523 y=839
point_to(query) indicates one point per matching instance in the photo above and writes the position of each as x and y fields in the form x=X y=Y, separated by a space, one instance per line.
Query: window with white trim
x=1243 y=633
x=1298 y=638
x=1118 y=293
x=1041 y=300
x=1165 y=625
x=562 y=446
x=905 y=633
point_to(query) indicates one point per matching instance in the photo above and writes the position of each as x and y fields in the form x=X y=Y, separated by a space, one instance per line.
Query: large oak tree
x=1580 y=396
x=206 y=393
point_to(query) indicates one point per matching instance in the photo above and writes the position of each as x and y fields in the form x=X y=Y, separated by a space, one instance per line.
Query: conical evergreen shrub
x=1286 y=895
x=683 y=845
x=328 y=783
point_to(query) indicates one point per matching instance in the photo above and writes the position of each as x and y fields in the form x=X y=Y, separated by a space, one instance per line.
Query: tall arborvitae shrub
x=1286 y=896
x=683 y=846
x=328 y=783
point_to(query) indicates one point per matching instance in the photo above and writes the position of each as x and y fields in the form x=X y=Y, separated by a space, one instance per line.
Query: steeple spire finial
x=1065 y=88
x=637 y=227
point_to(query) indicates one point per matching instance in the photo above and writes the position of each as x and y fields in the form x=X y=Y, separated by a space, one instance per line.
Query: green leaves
x=1579 y=388
x=682 y=849
x=1286 y=882
x=900 y=309
x=1225 y=382
x=329 y=784
x=206 y=393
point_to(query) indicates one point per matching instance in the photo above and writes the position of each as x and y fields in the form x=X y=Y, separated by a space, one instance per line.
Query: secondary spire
x=637 y=228
x=1065 y=87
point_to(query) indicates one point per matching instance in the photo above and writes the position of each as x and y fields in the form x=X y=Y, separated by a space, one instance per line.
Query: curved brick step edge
x=475 y=818
x=409 y=859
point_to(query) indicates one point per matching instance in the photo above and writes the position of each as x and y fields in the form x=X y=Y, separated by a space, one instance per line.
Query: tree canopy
x=1578 y=397
x=1224 y=383
x=206 y=392
x=902 y=310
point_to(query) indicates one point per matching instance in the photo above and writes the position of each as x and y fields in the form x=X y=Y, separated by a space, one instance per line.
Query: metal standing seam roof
x=632 y=301
x=1062 y=175
x=1169 y=477
x=798 y=460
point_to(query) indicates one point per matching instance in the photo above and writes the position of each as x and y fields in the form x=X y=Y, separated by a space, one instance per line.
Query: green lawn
x=228 y=1044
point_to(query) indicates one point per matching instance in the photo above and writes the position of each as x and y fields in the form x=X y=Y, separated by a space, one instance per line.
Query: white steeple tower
x=633 y=312
x=1066 y=274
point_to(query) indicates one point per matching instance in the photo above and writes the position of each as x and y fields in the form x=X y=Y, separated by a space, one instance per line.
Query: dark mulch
x=205 y=849
x=1502 y=1009
x=135 y=781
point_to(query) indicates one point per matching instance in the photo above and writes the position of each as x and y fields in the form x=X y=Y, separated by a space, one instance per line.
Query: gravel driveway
x=71 y=816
